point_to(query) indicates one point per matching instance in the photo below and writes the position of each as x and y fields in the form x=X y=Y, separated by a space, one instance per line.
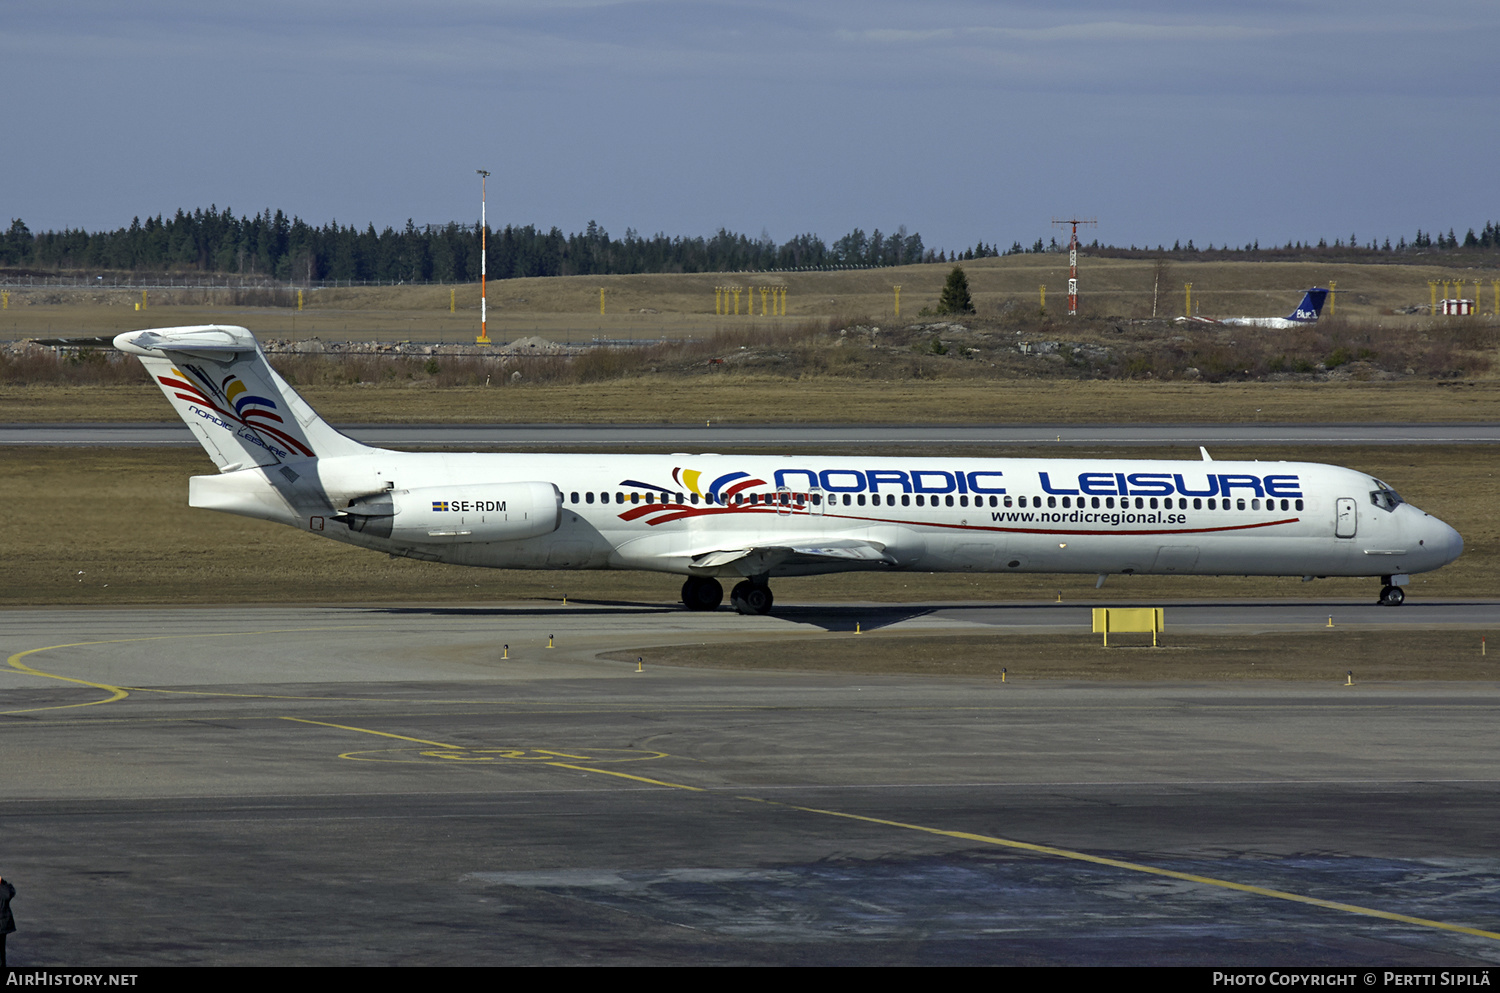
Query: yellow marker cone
x=549 y=641
x=506 y=653
x=856 y=627
x=1002 y=674
x=1330 y=620
x=638 y=663
x=1350 y=680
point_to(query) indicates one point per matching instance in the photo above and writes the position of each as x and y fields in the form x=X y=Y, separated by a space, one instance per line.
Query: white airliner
x=751 y=518
x=1307 y=312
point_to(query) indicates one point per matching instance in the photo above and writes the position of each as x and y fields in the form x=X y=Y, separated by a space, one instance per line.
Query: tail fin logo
x=256 y=413
x=246 y=403
x=1312 y=305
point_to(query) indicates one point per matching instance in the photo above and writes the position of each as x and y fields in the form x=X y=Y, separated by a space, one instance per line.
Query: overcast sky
x=1165 y=119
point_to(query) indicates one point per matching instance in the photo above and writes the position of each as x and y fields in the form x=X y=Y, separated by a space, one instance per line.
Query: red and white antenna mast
x=1073 y=258
x=484 y=330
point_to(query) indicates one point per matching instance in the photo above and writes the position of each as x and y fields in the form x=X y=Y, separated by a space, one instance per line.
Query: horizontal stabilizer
x=94 y=341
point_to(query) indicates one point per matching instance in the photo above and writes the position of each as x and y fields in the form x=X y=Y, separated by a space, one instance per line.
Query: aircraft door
x=1346 y=518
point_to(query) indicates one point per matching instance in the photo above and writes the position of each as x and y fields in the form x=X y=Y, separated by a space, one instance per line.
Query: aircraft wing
x=812 y=552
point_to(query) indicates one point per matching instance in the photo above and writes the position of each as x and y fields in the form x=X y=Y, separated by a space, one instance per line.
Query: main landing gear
x=750 y=597
x=702 y=593
x=1391 y=595
x=747 y=597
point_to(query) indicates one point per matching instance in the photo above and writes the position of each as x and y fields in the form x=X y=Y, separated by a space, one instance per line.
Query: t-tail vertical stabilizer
x=239 y=408
x=1311 y=307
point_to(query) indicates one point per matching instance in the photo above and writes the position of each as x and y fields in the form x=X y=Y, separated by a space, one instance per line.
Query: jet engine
x=478 y=512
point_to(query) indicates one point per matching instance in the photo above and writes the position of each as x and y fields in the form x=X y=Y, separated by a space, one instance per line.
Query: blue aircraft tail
x=1311 y=305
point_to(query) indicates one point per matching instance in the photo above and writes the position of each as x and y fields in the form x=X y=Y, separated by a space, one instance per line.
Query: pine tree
x=955 y=298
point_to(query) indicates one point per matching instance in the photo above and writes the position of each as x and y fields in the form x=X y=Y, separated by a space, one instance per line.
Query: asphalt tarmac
x=711 y=436
x=275 y=785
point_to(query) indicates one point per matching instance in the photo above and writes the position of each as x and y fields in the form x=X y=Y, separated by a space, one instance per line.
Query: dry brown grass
x=111 y=526
x=1320 y=655
x=679 y=305
x=758 y=399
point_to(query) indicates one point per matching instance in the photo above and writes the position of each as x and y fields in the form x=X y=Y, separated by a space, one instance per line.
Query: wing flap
x=762 y=558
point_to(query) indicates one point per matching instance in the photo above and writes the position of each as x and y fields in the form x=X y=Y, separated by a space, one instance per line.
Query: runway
x=274 y=785
x=711 y=436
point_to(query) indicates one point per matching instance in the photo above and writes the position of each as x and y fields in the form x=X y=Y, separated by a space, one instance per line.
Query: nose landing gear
x=1391 y=594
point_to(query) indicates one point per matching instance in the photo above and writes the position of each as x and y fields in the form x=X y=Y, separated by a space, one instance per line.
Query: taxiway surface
x=272 y=785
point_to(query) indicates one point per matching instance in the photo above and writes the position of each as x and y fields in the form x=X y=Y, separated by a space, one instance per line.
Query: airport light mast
x=1073 y=260
x=484 y=333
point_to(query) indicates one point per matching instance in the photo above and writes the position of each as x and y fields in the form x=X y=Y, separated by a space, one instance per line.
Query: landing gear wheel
x=1392 y=596
x=702 y=593
x=751 y=598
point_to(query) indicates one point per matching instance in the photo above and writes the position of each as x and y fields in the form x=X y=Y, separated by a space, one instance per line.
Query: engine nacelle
x=476 y=512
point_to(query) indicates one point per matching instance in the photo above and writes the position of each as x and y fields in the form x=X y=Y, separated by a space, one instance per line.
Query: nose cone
x=1440 y=542
x=1452 y=542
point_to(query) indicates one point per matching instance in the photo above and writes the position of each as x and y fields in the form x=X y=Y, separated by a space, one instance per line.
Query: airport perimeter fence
x=206 y=282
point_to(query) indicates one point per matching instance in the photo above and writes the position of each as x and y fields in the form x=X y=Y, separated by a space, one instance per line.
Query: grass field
x=111 y=526
x=829 y=360
x=1322 y=655
x=679 y=305
x=768 y=399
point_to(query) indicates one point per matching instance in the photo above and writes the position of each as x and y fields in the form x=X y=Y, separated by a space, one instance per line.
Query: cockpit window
x=1385 y=498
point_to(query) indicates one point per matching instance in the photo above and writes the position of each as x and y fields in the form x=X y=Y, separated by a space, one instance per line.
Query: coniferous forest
x=271 y=246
